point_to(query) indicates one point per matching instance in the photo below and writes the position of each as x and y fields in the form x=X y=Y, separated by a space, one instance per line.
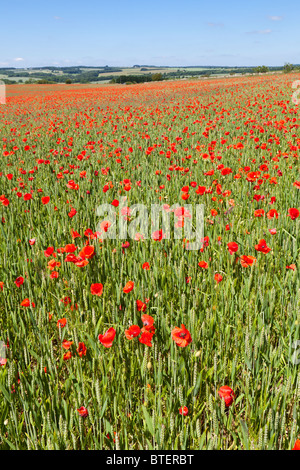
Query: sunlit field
x=140 y=343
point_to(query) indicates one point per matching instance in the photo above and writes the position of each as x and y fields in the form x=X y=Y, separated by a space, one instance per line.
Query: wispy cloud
x=262 y=31
x=18 y=59
x=57 y=18
x=275 y=18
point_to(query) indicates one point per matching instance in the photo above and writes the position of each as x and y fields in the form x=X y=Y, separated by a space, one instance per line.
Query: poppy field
x=140 y=343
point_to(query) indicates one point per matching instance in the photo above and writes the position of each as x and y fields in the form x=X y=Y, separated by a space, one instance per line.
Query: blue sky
x=159 y=32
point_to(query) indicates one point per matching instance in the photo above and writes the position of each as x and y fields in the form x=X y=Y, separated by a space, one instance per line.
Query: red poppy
x=97 y=289
x=146 y=338
x=203 y=264
x=67 y=356
x=297 y=445
x=293 y=213
x=227 y=394
x=181 y=336
x=262 y=247
x=157 y=235
x=146 y=266
x=61 y=322
x=292 y=267
x=87 y=252
x=19 y=281
x=232 y=247
x=66 y=344
x=218 y=278
x=183 y=410
x=83 y=411
x=141 y=306
x=259 y=213
x=81 y=349
x=272 y=213
x=247 y=261
x=27 y=303
x=148 y=321
x=128 y=287
x=45 y=200
x=107 y=338
x=132 y=332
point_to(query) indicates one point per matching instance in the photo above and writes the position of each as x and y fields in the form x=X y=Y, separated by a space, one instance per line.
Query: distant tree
x=68 y=81
x=261 y=69
x=156 y=77
x=287 y=68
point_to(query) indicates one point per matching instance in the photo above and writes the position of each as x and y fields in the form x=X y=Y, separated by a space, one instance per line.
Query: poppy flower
x=67 y=356
x=259 y=213
x=66 y=344
x=128 y=287
x=218 y=278
x=45 y=200
x=146 y=266
x=70 y=248
x=203 y=264
x=247 y=261
x=232 y=247
x=226 y=393
x=48 y=252
x=108 y=338
x=83 y=411
x=181 y=336
x=148 y=321
x=19 y=281
x=81 y=349
x=157 y=235
x=87 y=252
x=141 y=306
x=272 y=213
x=132 y=332
x=262 y=247
x=297 y=445
x=146 y=338
x=72 y=213
x=293 y=213
x=97 y=289
x=27 y=303
x=183 y=411
x=292 y=267
x=61 y=322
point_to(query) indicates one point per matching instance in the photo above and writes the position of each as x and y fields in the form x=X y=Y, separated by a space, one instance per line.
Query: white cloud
x=275 y=18
x=18 y=59
x=262 y=31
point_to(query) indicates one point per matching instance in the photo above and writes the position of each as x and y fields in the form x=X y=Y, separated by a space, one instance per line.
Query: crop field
x=136 y=341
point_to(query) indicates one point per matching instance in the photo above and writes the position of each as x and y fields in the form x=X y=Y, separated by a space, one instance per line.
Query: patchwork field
x=139 y=342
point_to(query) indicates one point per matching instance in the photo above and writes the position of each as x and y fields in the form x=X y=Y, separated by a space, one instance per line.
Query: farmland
x=138 y=342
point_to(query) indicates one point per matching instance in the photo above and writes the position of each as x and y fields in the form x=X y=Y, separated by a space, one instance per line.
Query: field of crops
x=138 y=342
